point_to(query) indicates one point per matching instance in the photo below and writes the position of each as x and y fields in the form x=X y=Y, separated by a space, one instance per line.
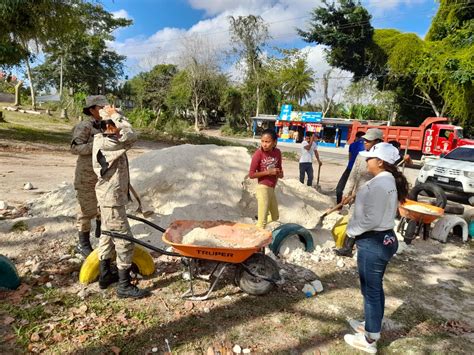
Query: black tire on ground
x=431 y=190
x=259 y=264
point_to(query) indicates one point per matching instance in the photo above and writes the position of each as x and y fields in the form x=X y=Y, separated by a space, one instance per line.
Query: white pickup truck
x=454 y=172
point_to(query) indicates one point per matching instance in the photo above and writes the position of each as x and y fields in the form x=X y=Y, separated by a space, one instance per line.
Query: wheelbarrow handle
x=137 y=241
x=151 y=224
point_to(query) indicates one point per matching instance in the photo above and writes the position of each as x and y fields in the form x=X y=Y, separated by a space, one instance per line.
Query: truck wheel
x=431 y=190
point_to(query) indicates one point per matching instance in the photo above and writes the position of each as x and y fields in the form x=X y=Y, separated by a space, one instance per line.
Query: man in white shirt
x=308 y=150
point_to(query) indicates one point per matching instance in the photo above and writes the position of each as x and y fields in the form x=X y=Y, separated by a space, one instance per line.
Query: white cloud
x=381 y=6
x=121 y=14
x=282 y=17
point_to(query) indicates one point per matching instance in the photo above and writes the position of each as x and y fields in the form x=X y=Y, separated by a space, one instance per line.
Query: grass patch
x=35 y=128
x=19 y=227
x=290 y=156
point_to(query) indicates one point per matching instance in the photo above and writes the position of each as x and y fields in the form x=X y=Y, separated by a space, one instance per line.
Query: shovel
x=139 y=208
x=331 y=210
x=318 y=187
x=326 y=213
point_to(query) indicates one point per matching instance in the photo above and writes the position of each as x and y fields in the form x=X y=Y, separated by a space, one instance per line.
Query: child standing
x=266 y=167
x=308 y=148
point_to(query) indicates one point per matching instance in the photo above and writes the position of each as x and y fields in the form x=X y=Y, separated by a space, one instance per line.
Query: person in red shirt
x=266 y=167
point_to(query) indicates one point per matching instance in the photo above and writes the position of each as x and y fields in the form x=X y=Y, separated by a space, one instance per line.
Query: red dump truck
x=435 y=136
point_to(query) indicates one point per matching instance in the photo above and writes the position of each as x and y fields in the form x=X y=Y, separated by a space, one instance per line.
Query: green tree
x=249 y=35
x=346 y=29
x=80 y=58
x=298 y=80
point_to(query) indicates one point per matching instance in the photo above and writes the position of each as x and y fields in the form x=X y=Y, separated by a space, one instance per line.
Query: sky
x=161 y=27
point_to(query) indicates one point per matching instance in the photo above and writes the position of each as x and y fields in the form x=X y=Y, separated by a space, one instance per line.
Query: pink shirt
x=262 y=161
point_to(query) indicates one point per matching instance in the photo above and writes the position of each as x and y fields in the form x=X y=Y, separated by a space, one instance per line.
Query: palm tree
x=298 y=80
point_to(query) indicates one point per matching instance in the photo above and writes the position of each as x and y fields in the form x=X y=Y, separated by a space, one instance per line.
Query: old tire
x=9 y=278
x=290 y=230
x=431 y=190
x=259 y=264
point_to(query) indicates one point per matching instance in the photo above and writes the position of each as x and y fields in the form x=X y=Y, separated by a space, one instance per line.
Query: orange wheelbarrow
x=416 y=218
x=235 y=244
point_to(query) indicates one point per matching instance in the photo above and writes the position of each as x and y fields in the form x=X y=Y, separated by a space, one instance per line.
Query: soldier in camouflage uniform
x=85 y=178
x=111 y=167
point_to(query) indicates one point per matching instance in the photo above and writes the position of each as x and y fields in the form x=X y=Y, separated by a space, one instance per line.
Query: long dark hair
x=400 y=181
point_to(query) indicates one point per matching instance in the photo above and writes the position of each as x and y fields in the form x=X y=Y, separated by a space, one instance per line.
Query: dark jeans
x=374 y=251
x=342 y=184
x=308 y=169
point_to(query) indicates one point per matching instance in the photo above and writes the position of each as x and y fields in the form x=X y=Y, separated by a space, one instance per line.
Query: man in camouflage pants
x=111 y=167
x=85 y=178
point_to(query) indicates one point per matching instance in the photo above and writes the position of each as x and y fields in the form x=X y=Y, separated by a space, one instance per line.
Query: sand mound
x=200 y=182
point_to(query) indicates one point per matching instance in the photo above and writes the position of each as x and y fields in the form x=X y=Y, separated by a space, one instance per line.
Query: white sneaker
x=359 y=327
x=358 y=341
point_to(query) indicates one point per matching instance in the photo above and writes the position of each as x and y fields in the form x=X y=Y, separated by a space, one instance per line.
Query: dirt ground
x=429 y=289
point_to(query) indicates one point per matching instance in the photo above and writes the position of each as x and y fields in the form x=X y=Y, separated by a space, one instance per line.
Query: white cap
x=383 y=151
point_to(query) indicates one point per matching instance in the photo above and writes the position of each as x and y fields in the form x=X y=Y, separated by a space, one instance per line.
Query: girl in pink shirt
x=266 y=167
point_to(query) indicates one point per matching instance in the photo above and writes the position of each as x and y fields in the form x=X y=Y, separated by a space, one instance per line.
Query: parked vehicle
x=454 y=172
x=435 y=136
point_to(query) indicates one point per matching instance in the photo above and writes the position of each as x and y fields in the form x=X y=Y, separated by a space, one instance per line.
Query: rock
x=316 y=258
x=154 y=350
x=36 y=268
x=75 y=261
x=49 y=284
x=3 y=205
x=246 y=351
x=318 y=286
x=206 y=310
x=65 y=257
x=28 y=186
x=340 y=263
x=186 y=276
x=237 y=349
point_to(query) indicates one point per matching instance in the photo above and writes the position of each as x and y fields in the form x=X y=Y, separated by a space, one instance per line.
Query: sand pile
x=198 y=182
x=201 y=236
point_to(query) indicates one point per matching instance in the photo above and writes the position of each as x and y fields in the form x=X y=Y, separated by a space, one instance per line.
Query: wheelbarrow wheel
x=410 y=231
x=258 y=264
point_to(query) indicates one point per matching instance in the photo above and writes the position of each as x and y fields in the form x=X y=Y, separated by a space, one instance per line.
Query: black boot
x=84 y=246
x=125 y=289
x=107 y=274
x=97 y=228
x=346 y=249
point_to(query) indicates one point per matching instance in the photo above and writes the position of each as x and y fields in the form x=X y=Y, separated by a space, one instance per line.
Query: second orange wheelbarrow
x=417 y=217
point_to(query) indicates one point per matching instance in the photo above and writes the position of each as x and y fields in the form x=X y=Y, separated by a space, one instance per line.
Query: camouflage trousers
x=114 y=219
x=87 y=209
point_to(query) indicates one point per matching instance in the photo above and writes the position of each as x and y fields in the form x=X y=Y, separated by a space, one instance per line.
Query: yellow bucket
x=339 y=231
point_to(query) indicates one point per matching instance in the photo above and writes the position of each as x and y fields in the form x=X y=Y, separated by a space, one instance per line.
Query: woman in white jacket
x=372 y=227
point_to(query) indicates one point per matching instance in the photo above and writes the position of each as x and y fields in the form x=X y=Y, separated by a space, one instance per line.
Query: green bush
x=176 y=128
x=142 y=117
x=228 y=130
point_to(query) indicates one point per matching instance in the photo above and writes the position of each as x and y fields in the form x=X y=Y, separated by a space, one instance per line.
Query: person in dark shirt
x=354 y=149
x=266 y=167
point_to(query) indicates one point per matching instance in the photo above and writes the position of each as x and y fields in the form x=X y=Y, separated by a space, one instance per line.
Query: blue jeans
x=374 y=251
x=306 y=168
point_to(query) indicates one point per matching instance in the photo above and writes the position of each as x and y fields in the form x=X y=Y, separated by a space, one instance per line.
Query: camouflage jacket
x=358 y=176
x=110 y=163
x=81 y=145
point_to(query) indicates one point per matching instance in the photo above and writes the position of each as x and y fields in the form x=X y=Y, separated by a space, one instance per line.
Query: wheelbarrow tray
x=419 y=211
x=246 y=239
